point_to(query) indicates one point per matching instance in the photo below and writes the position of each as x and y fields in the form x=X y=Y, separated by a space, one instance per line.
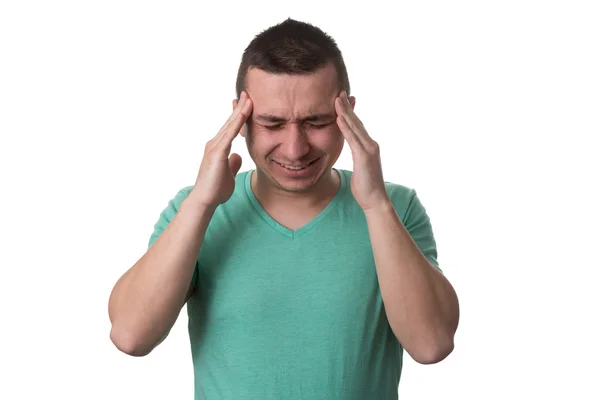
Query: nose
x=294 y=144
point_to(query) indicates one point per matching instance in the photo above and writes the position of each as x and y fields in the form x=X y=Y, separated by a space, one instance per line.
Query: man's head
x=293 y=72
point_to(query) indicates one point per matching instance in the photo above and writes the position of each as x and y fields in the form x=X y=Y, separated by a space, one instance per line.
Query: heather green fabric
x=281 y=314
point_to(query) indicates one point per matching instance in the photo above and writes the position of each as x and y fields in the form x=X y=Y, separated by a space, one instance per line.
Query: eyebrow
x=270 y=118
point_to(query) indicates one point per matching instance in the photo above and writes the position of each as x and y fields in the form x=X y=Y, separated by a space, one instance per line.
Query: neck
x=271 y=195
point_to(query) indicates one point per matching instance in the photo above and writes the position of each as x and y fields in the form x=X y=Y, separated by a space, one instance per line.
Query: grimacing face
x=292 y=135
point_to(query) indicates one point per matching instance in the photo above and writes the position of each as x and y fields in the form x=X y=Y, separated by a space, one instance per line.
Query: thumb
x=235 y=163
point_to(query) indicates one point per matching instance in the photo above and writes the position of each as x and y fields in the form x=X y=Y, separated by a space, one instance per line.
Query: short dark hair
x=292 y=47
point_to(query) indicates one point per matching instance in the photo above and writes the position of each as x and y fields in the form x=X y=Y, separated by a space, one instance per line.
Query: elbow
x=432 y=352
x=128 y=343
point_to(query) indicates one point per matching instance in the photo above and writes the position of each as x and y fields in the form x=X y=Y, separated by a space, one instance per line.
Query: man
x=302 y=281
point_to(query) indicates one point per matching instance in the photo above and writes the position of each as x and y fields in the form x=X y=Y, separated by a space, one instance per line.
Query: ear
x=352 y=102
x=243 y=130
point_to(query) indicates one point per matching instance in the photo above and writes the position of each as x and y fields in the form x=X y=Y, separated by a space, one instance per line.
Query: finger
x=342 y=122
x=347 y=131
x=238 y=105
x=235 y=122
x=353 y=121
x=234 y=115
x=235 y=163
x=351 y=117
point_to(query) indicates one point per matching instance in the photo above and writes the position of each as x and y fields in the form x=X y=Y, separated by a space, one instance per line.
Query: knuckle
x=242 y=116
x=373 y=147
x=209 y=147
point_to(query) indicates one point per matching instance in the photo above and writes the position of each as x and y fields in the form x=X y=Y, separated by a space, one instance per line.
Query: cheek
x=330 y=139
x=259 y=141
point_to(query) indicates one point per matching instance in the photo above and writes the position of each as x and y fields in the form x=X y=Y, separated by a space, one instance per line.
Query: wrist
x=385 y=207
x=195 y=208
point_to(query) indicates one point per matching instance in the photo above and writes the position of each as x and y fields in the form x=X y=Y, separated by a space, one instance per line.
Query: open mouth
x=296 y=167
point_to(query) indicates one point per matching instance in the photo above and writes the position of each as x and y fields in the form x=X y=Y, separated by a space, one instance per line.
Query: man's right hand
x=216 y=177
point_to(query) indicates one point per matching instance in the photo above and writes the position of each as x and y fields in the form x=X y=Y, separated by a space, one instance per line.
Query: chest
x=293 y=219
x=297 y=284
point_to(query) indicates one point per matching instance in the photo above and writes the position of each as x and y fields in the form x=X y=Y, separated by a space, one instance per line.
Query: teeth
x=293 y=167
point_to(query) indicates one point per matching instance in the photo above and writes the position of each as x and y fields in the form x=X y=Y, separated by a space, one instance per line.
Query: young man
x=302 y=281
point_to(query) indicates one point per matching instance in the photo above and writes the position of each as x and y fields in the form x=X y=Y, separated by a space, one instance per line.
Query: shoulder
x=402 y=197
x=181 y=195
x=173 y=204
x=175 y=201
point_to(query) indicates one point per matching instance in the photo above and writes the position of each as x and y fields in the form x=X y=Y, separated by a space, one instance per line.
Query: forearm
x=420 y=303
x=147 y=300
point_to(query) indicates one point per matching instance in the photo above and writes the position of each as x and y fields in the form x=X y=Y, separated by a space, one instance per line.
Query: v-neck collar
x=294 y=234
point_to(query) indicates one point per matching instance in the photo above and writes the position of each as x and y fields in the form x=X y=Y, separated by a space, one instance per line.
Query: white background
x=491 y=110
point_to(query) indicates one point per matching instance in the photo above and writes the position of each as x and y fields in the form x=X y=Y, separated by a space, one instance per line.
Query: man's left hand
x=367 y=183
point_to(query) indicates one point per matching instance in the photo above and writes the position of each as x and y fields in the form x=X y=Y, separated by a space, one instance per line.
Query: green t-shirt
x=282 y=314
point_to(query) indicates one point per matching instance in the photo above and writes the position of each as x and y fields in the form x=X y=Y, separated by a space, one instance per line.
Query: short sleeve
x=166 y=216
x=418 y=224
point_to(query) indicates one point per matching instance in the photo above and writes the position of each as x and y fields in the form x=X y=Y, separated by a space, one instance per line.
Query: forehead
x=293 y=96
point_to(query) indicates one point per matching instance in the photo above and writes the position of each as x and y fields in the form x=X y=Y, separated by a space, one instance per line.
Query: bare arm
x=148 y=298
x=420 y=303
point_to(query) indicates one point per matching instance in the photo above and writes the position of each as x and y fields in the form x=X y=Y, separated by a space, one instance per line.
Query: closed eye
x=318 y=126
x=280 y=126
x=273 y=127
